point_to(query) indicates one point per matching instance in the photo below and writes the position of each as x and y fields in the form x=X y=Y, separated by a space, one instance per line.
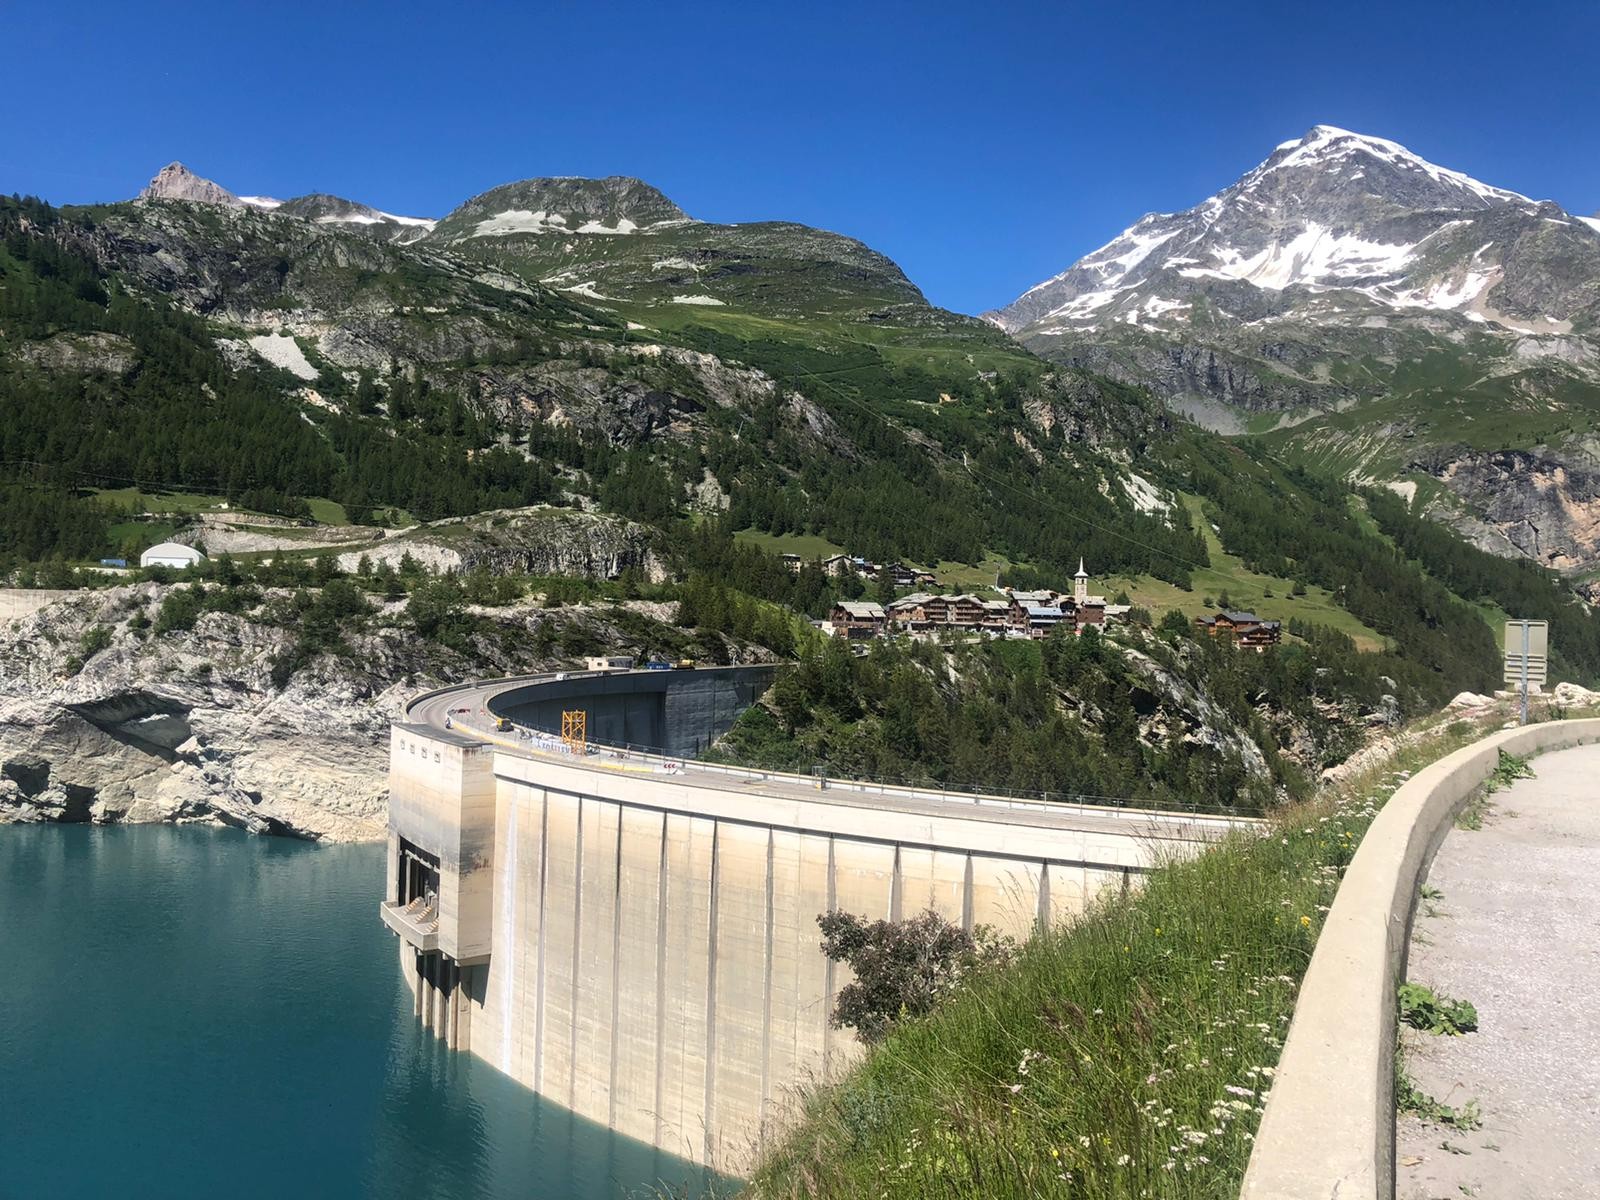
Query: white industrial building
x=171 y=554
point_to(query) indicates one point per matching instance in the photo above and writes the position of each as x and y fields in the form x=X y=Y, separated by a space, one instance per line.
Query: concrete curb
x=1329 y=1126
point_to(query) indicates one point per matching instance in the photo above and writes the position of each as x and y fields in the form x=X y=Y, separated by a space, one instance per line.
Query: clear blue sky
x=984 y=146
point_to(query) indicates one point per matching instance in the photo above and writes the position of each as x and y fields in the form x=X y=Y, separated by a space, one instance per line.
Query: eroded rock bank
x=107 y=717
x=187 y=726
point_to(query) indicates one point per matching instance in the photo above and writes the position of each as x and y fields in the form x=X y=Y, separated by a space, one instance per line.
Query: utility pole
x=1524 y=720
x=1532 y=664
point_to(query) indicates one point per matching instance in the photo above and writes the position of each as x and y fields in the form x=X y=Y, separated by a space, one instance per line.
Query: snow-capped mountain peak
x=1330 y=213
x=1326 y=146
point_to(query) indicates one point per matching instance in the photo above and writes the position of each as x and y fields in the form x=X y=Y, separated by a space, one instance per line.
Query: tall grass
x=1126 y=1054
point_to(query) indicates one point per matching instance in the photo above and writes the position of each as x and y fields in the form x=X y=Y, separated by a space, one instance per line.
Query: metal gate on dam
x=634 y=936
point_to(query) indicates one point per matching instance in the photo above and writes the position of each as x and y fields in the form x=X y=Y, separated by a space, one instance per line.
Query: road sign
x=1527 y=657
x=1534 y=644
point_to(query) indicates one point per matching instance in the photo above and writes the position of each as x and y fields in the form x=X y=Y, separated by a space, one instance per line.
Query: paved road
x=1515 y=933
x=476 y=721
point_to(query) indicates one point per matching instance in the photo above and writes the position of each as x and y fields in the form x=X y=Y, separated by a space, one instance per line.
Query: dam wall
x=675 y=713
x=16 y=603
x=653 y=959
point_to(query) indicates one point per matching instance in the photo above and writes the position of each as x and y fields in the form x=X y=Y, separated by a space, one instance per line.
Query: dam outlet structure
x=633 y=934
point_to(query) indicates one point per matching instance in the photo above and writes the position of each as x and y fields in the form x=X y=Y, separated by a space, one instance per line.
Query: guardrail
x=1069 y=802
x=1329 y=1126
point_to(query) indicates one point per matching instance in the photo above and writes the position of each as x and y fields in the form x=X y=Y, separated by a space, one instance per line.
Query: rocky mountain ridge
x=176 y=182
x=1369 y=312
x=563 y=206
x=620 y=240
x=1336 y=218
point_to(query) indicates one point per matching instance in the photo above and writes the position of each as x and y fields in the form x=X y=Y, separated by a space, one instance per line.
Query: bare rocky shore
x=104 y=720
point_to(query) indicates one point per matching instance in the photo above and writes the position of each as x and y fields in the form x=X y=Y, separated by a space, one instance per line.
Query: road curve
x=469 y=712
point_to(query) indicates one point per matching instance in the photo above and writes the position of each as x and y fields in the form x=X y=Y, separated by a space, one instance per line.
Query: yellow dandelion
x=1305 y=921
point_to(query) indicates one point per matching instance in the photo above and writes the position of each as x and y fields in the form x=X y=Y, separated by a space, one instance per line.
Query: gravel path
x=1515 y=933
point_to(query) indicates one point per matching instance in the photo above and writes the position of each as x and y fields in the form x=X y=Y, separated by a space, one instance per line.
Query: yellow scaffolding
x=575 y=730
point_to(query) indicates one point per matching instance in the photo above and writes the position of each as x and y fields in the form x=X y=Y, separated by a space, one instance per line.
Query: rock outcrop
x=1536 y=504
x=103 y=721
x=176 y=182
x=530 y=541
x=188 y=727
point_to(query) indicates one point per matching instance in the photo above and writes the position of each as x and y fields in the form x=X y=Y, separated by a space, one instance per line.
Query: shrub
x=180 y=609
x=901 y=968
x=95 y=639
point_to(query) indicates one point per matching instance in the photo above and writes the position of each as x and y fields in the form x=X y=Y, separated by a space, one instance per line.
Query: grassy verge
x=1126 y=1054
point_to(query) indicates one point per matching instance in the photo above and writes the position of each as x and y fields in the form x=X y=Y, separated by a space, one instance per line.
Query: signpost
x=1527 y=657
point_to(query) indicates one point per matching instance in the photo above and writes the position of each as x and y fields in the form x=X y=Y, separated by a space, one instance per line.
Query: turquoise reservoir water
x=199 y=1013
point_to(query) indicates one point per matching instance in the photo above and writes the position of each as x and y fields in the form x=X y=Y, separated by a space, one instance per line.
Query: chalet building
x=1041 y=620
x=1041 y=596
x=903 y=576
x=792 y=561
x=911 y=612
x=996 y=615
x=857 y=619
x=965 y=611
x=838 y=565
x=1247 y=630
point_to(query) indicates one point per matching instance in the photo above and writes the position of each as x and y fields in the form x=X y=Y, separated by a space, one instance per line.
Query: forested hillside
x=1145 y=715
x=112 y=383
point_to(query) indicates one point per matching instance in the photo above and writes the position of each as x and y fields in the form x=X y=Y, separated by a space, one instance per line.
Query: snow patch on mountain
x=710 y=300
x=1592 y=222
x=373 y=217
x=1315 y=255
x=266 y=203
x=519 y=220
x=623 y=226
x=1449 y=293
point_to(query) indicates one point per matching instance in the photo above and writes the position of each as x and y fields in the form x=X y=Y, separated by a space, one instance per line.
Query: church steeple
x=1080 y=584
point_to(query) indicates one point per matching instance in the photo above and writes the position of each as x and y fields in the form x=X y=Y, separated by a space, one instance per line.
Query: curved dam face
x=635 y=937
x=675 y=713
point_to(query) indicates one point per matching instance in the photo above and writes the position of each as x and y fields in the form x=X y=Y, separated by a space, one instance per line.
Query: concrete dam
x=633 y=935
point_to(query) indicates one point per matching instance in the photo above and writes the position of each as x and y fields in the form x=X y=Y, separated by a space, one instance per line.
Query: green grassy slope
x=1267 y=595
